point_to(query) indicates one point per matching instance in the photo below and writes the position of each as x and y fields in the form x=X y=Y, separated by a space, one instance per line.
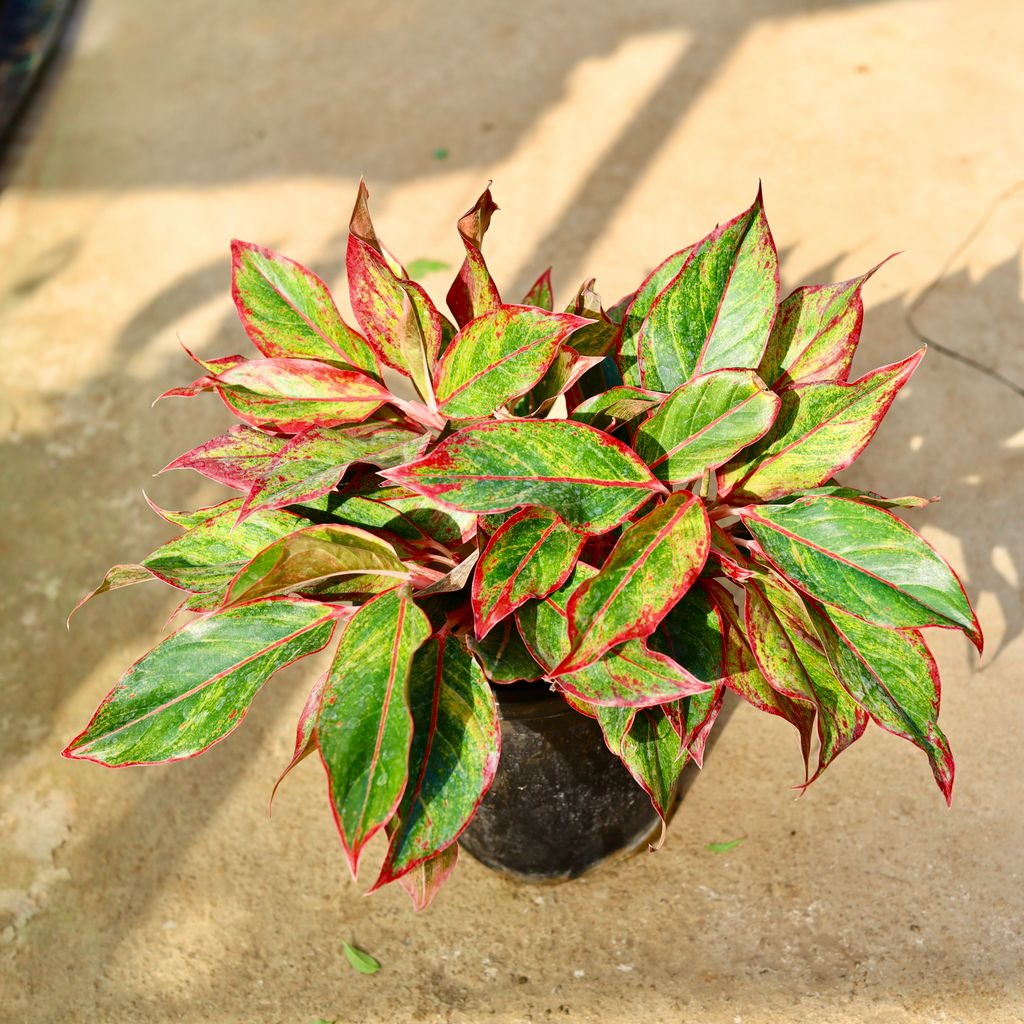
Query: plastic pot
x=561 y=802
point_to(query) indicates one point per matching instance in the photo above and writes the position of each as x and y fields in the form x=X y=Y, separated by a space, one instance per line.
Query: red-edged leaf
x=117 y=576
x=598 y=336
x=863 y=561
x=590 y=479
x=292 y=395
x=717 y=312
x=893 y=677
x=530 y=555
x=704 y=423
x=305 y=740
x=725 y=557
x=820 y=429
x=312 y=463
x=396 y=315
x=616 y=407
x=503 y=655
x=743 y=675
x=473 y=292
x=497 y=357
x=364 y=727
x=312 y=555
x=540 y=293
x=195 y=687
x=563 y=373
x=423 y=881
x=787 y=649
x=456 y=740
x=815 y=333
x=650 y=568
x=653 y=754
x=236 y=459
x=629 y=675
x=288 y=311
x=637 y=310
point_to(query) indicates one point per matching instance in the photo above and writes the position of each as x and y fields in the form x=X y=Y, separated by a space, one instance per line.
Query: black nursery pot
x=561 y=802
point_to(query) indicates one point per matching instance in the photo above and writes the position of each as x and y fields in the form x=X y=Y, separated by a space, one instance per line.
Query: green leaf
x=454 y=755
x=361 y=961
x=528 y=556
x=396 y=315
x=892 y=675
x=835 y=490
x=788 y=651
x=312 y=463
x=616 y=407
x=195 y=687
x=364 y=727
x=422 y=267
x=503 y=655
x=650 y=568
x=497 y=357
x=725 y=847
x=566 y=369
x=820 y=429
x=717 y=312
x=288 y=311
x=704 y=423
x=292 y=395
x=863 y=561
x=312 y=555
x=473 y=292
x=591 y=480
x=637 y=311
x=815 y=333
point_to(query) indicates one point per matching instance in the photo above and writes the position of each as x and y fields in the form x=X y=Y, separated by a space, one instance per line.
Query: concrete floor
x=614 y=134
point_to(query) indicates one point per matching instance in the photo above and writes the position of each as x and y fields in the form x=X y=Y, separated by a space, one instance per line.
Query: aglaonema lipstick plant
x=636 y=507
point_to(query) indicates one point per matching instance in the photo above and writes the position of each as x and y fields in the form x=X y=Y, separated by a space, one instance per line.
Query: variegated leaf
x=292 y=395
x=650 y=568
x=313 y=555
x=820 y=429
x=591 y=480
x=630 y=675
x=503 y=655
x=236 y=459
x=892 y=675
x=400 y=322
x=195 y=687
x=789 y=653
x=364 y=726
x=864 y=561
x=815 y=333
x=498 y=357
x=456 y=739
x=288 y=311
x=474 y=292
x=636 y=312
x=704 y=423
x=743 y=675
x=422 y=883
x=654 y=755
x=311 y=463
x=717 y=312
x=616 y=407
x=529 y=556
x=540 y=293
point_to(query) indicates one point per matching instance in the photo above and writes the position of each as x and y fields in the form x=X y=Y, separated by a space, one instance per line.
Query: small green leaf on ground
x=362 y=962
x=418 y=268
x=320 y=1020
x=441 y=153
x=725 y=847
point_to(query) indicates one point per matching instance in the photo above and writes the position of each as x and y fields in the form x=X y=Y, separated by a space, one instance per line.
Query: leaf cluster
x=634 y=506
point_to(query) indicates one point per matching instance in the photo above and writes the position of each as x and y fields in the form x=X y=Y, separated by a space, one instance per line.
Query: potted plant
x=627 y=511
